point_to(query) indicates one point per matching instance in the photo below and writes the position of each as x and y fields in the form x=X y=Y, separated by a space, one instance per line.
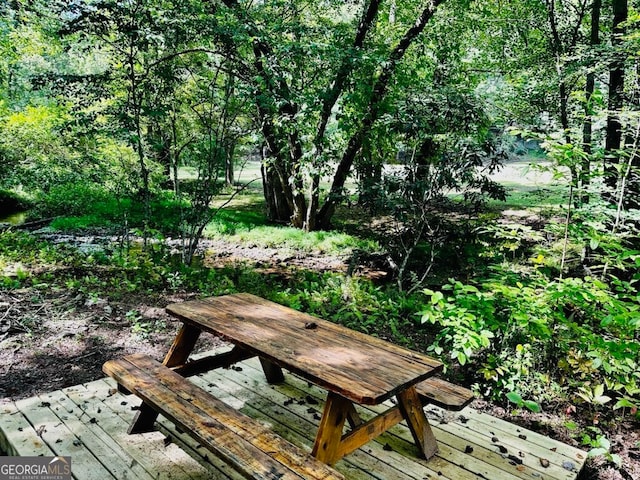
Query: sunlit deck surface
x=89 y=423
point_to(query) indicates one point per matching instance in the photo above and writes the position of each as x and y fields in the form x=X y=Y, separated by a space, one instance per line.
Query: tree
x=613 y=139
x=303 y=88
x=589 y=100
x=217 y=120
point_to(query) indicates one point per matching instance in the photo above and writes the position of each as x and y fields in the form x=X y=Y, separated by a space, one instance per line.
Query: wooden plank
x=327 y=447
x=177 y=356
x=272 y=372
x=401 y=453
x=486 y=456
x=519 y=463
x=396 y=459
x=293 y=426
x=369 y=430
x=292 y=418
x=223 y=429
x=182 y=346
x=205 y=428
x=100 y=401
x=291 y=410
x=515 y=441
x=480 y=460
x=438 y=391
x=459 y=463
x=492 y=424
x=498 y=465
x=59 y=438
x=101 y=445
x=354 y=365
x=17 y=435
x=211 y=362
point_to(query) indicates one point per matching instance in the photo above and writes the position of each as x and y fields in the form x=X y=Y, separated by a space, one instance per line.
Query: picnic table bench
x=244 y=443
x=353 y=367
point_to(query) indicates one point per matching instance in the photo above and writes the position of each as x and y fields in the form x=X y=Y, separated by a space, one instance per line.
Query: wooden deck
x=89 y=423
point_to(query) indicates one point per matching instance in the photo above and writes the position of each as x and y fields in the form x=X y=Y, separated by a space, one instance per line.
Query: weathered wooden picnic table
x=353 y=367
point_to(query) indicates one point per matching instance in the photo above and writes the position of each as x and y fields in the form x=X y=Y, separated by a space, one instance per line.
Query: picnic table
x=354 y=368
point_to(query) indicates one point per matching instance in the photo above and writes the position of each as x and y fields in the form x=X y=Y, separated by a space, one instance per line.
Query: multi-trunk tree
x=320 y=73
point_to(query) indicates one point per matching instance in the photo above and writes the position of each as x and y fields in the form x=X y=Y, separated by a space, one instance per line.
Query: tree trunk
x=331 y=96
x=369 y=172
x=277 y=110
x=380 y=88
x=561 y=47
x=587 y=126
x=229 y=155
x=613 y=140
x=277 y=205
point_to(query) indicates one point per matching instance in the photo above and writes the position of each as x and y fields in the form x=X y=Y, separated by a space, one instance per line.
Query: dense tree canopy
x=127 y=92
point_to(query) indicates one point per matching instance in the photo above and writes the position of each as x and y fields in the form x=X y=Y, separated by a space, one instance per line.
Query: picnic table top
x=357 y=366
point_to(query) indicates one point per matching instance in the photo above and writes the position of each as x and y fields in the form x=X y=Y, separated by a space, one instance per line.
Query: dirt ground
x=50 y=340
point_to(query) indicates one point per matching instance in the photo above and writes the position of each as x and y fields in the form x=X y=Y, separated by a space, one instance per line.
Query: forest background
x=358 y=146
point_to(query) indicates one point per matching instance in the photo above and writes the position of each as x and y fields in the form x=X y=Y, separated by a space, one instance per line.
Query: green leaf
x=533 y=406
x=601 y=399
x=514 y=397
x=603 y=442
x=623 y=403
x=596 y=452
x=571 y=425
x=462 y=358
x=598 y=390
x=436 y=298
x=616 y=459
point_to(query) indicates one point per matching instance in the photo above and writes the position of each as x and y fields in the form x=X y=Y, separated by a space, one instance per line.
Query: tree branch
x=378 y=94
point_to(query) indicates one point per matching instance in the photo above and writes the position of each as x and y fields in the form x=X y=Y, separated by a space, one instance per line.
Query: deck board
x=89 y=423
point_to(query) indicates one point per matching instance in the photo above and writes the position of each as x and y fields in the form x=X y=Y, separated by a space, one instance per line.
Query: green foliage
x=83 y=205
x=75 y=199
x=578 y=331
x=465 y=316
x=600 y=446
x=288 y=238
x=515 y=397
x=144 y=327
x=33 y=150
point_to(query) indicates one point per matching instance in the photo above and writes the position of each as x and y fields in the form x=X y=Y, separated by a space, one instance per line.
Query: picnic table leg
x=327 y=445
x=177 y=355
x=411 y=408
x=272 y=372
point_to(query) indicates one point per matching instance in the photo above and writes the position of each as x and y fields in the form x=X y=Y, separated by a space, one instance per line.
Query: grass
x=523 y=197
x=531 y=185
x=241 y=217
x=268 y=236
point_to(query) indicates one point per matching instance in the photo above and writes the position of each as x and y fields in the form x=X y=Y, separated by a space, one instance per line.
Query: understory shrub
x=538 y=336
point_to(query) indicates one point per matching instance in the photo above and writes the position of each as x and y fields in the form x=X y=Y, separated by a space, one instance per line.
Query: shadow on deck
x=89 y=423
